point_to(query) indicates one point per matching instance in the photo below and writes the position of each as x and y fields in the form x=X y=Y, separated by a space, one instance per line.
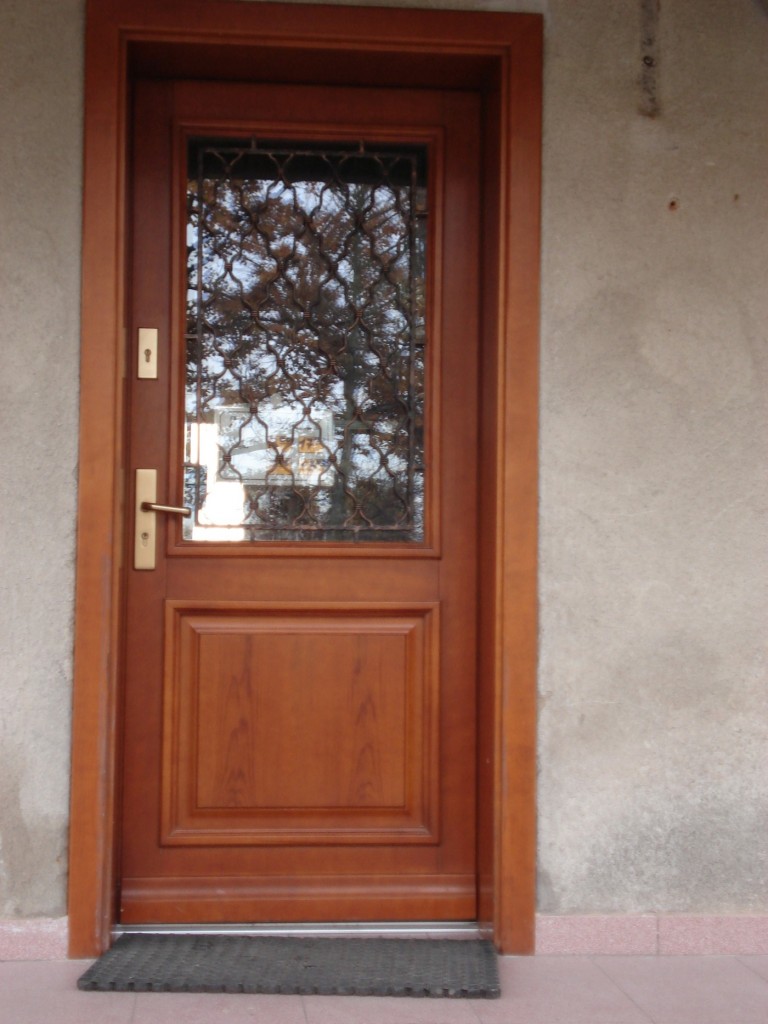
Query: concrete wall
x=654 y=788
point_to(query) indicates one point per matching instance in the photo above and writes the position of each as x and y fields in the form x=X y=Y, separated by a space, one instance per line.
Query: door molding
x=496 y=55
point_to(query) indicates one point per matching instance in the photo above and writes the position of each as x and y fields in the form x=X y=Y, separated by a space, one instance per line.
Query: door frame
x=497 y=55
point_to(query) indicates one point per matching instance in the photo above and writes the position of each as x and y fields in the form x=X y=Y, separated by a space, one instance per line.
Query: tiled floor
x=535 y=990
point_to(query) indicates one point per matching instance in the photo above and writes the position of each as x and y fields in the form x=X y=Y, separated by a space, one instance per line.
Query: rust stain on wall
x=650 y=11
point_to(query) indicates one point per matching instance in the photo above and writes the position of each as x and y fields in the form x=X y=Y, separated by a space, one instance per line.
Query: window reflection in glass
x=305 y=342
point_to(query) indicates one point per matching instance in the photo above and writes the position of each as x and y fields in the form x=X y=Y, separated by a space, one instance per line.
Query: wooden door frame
x=497 y=55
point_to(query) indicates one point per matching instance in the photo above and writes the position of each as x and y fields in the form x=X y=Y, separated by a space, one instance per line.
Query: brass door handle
x=150 y=506
x=145 y=525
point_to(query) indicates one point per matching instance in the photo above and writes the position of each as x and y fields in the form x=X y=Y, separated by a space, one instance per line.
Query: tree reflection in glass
x=305 y=342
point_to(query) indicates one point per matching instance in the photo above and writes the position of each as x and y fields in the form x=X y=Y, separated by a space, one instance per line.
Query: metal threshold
x=338 y=929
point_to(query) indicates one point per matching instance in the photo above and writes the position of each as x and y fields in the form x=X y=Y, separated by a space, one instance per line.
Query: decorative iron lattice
x=305 y=341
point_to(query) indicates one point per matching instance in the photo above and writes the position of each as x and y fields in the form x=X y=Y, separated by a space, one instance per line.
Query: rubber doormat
x=448 y=968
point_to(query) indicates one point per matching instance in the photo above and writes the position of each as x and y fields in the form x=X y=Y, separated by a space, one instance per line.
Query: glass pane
x=305 y=342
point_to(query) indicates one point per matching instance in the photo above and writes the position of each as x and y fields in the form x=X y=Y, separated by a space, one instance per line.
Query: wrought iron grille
x=305 y=341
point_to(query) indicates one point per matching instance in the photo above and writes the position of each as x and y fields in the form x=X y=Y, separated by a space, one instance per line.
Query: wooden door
x=300 y=664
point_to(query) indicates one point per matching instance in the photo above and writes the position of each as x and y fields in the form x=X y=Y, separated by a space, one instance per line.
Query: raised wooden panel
x=282 y=694
x=300 y=724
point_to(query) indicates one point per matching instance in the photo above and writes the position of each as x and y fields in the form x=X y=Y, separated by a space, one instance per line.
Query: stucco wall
x=654 y=789
x=40 y=184
x=654 y=780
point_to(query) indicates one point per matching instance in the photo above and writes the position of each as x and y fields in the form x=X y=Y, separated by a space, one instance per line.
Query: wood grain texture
x=499 y=57
x=306 y=728
x=517 y=494
x=92 y=838
x=304 y=898
x=310 y=725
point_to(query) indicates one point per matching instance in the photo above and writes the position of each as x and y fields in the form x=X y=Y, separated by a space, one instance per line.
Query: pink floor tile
x=691 y=990
x=557 y=990
x=192 y=1008
x=535 y=990
x=759 y=964
x=45 y=992
x=387 y=1010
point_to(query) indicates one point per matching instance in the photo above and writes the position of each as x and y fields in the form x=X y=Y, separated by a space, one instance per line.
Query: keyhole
x=147 y=355
x=145 y=538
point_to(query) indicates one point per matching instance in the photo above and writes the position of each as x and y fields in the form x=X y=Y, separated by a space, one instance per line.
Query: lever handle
x=150 y=506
